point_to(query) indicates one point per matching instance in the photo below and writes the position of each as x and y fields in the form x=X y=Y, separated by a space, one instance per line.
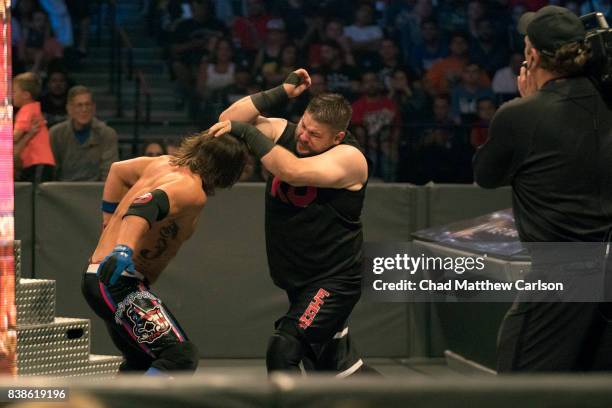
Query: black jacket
x=555 y=149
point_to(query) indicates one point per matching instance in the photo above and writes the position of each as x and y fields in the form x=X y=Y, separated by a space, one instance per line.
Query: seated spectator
x=190 y=43
x=447 y=72
x=268 y=55
x=217 y=71
x=32 y=149
x=340 y=77
x=250 y=31
x=154 y=149
x=55 y=97
x=333 y=31
x=410 y=98
x=172 y=146
x=440 y=154
x=430 y=50
x=465 y=94
x=365 y=36
x=480 y=129
x=376 y=123
x=408 y=25
x=504 y=83
x=276 y=72
x=84 y=147
x=487 y=50
x=388 y=61
x=476 y=11
x=37 y=45
x=241 y=86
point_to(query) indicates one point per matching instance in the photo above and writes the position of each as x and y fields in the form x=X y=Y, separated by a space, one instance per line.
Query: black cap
x=551 y=27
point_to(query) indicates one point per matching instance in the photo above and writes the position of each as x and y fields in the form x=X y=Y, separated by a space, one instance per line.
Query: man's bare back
x=154 y=250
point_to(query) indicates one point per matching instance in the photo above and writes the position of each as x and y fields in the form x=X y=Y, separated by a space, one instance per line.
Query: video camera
x=599 y=37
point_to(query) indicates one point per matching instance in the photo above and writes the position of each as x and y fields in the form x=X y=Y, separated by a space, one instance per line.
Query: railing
x=141 y=87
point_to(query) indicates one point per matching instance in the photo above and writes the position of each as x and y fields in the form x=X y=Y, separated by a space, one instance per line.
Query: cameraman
x=554 y=147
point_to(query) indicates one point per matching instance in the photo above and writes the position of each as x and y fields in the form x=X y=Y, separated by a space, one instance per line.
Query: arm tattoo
x=166 y=232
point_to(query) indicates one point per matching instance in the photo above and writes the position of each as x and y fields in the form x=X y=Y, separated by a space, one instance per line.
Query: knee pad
x=285 y=350
x=178 y=357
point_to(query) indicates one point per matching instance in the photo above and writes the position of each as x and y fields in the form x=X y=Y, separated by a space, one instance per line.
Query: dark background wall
x=218 y=286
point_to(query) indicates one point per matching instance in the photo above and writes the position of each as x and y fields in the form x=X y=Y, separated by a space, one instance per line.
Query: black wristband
x=266 y=100
x=293 y=79
x=259 y=144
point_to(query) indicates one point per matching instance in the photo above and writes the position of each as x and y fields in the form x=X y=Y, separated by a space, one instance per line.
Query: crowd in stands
x=424 y=77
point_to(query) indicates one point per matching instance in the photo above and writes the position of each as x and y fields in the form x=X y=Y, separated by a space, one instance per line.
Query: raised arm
x=249 y=108
x=341 y=167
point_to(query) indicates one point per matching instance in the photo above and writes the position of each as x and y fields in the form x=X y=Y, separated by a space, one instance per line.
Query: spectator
x=475 y=12
x=487 y=51
x=154 y=149
x=55 y=97
x=243 y=81
x=445 y=73
x=30 y=134
x=389 y=61
x=365 y=36
x=440 y=155
x=465 y=95
x=339 y=76
x=411 y=99
x=480 y=130
x=250 y=31
x=84 y=147
x=504 y=81
x=268 y=56
x=172 y=146
x=430 y=50
x=190 y=43
x=408 y=25
x=217 y=72
x=37 y=46
x=334 y=31
x=376 y=122
x=275 y=73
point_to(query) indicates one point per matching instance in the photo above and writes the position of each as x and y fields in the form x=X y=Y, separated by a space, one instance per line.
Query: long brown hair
x=219 y=161
x=570 y=59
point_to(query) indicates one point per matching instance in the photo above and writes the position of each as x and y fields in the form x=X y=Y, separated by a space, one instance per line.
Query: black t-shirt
x=312 y=233
x=555 y=149
x=340 y=80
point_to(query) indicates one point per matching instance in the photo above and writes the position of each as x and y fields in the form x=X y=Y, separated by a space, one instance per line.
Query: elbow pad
x=153 y=206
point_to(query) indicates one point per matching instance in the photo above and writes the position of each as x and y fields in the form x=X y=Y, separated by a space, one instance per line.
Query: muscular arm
x=248 y=109
x=340 y=167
